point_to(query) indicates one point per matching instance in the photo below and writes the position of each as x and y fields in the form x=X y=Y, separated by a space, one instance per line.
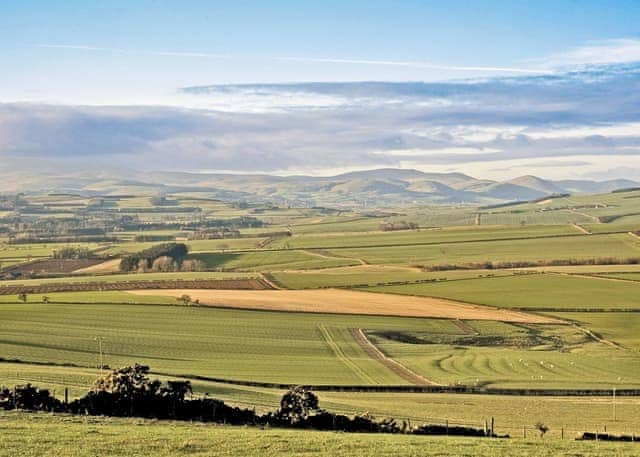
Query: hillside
x=369 y=188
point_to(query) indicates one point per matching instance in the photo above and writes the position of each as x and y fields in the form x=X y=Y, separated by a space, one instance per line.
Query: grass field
x=251 y=345
x=24 y=252
x=627 y=276
x=269 y=260
x=410 y=237
x=291 y=347
x=620 y=328
x=544 y=249
x=558 y=357
x=371 y=275
x=551 y=291
x=511 y=413
x=333 y=249
x=133 y=277
x=42 y=435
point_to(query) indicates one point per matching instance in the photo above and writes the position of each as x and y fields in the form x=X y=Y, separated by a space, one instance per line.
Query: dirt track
x=372 y=351
x=350 y=302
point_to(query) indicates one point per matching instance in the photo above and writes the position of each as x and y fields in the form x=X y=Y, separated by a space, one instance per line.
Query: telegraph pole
x=100 y=339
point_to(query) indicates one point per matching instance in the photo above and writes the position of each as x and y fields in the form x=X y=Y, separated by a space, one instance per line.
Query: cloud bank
x=569 y=124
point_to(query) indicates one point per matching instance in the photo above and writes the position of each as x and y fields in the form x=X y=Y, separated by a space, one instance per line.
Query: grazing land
x=529 y=296
x=37 y=435
x=549 y=292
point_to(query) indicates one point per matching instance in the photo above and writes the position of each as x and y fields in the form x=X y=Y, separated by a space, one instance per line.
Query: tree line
x=143 y=260
x=130 y=392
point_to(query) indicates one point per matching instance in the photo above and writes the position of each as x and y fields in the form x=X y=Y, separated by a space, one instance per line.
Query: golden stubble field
x=349 y=302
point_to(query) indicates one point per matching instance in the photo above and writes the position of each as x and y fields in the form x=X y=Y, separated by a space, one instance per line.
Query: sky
x=495 y=89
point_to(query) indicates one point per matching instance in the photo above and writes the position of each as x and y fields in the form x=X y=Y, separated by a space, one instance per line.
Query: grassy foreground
x=62 y=436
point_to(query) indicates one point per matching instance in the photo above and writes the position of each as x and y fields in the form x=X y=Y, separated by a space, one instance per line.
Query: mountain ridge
x=375 y=187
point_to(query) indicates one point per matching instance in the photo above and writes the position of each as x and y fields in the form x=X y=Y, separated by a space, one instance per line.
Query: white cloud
x=623 y=50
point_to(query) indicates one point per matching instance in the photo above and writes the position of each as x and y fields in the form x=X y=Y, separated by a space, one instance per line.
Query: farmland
x=38 y=435
x=530 y=296
x=537 y=291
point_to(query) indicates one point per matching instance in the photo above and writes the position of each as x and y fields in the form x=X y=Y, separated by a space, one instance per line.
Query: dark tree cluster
x=72 y=252
x=175 y=251
x=130 y=392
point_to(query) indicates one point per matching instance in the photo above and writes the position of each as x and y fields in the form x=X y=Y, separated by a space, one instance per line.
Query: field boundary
x=383 y=388
x=141 y=284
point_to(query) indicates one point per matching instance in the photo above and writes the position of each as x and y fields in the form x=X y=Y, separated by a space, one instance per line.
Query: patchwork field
x=358 y=306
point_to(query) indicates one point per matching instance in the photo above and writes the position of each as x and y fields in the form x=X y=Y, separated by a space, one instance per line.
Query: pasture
x=310 y=348
x=552 y=292
x=577 y=247
x=32 y=435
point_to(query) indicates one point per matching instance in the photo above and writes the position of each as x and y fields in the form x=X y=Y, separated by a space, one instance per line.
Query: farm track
x=267 y=278
x=217 y=284
x=581 y=229
x=396 y=367
x=340 y=355
x=595 y=276
x=465 y=327
x=597 y=338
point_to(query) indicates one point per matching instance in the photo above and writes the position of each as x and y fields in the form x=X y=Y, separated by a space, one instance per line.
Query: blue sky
x=86 y=68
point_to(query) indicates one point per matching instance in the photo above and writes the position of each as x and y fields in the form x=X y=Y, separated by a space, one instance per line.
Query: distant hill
x=538 y=184
x=370 y=188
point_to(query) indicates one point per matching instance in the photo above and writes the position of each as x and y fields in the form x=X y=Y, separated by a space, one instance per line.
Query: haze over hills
x=378 y=187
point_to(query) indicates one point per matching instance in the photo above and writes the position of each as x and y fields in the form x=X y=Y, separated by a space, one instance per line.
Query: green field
x=305 y=348
x=234 y=344
x=133 y=277
x=598 y=348
x=559 y=357
x=269 y=260
x=32 y=435
x=550 y=291
x=372 y=275
x=620 y=328
x=543 y=249
x=627 y=276
x=413 y=237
